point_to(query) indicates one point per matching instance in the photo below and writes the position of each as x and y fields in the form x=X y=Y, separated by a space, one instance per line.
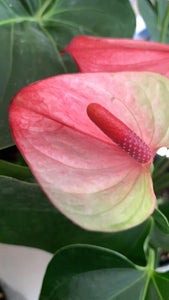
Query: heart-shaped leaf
x=34 y=32
x=93 y=273
x=87 y=176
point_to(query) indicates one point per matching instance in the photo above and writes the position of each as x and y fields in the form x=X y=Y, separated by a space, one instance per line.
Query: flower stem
x=149 y=270
x=151 y=259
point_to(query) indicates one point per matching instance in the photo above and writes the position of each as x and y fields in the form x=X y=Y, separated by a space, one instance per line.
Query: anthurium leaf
x=99 y=18
x=16 y=171
x=159 y=163
x=84 y=173
x=88 y=272
x=161 y=183
x=155 y=15
x=161 y=221
x=158 y=287
x=93 y=54
x=29 y=219
x=160 y=174
x=34 y=32
x=159 y=236
x=164 y=208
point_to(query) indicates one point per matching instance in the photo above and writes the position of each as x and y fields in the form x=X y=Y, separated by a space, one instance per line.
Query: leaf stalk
x=165 y=25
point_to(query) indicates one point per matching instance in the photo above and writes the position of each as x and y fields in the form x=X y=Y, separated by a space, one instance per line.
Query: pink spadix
x=122 y=135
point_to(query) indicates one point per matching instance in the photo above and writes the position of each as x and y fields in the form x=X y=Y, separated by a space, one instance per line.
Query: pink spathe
x=93 y=54
x=83 y=172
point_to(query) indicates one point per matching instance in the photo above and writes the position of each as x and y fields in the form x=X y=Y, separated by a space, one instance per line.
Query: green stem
x=165 y=25
x=151 y=259
x=149 y=269
x=42 y=9
x=17 y=20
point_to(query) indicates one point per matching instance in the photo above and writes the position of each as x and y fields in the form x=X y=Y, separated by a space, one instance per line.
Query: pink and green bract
x=83 y=171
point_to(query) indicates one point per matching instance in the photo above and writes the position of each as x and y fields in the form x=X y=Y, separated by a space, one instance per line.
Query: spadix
x=121 y=134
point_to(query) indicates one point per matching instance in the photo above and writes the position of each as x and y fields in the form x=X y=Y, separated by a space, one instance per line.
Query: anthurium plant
x=90 y=140
x=84 y=180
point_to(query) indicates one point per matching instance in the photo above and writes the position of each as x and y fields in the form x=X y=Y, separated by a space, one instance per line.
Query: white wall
x=21 y=271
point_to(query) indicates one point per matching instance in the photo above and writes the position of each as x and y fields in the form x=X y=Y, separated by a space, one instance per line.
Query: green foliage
x=156 y=16
x=16 y=171
x=160 y=174
x=159 y=236
x=29 y=219
x=93 y=273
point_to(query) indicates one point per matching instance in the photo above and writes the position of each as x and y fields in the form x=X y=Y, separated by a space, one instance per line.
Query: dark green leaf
x=161 y=183
x=94 y=273
x=34 y=32
x=16 y=171
x=86 y=272
x=156 y=17
x=28 y=218
x=159 y=162
x=158 y=287
x=160 y=175
x=100 y=18
x=164 y=208
x=161 y=221
x=159 y=236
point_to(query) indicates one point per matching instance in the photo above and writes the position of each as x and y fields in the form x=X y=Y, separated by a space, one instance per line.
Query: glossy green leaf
x=156 y=17
x=86 y=272
x=161 y=183
x=28 y=218
x=158 y=287
x=161 y=174
x=16 y=171
x=159 y=163
x=159 y=237
x=164 y=208
x=34 y=32
x=94 y=273
x=161 y=221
